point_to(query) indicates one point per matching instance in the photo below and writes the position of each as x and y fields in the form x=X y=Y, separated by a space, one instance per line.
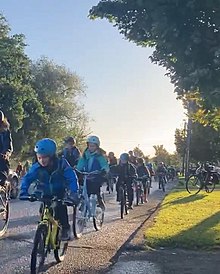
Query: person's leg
x=4 y=170
x=61 y=215
x=130 y=193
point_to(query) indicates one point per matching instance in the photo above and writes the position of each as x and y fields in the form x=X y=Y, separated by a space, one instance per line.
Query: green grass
x=187 y=221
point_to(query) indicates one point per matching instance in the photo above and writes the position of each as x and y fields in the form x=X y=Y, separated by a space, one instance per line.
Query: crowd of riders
x=61 y=171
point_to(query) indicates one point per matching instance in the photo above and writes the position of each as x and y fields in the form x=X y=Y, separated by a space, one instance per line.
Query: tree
x=205 y=143
x=17 y=98
x=161 y=154
x=40 y=99
x=185 y=36
x=59 y=91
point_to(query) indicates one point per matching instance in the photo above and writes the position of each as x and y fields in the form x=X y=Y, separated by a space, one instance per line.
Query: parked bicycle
x=4 y=207
x=48 y=234
x=87 y=209
x=205 y=178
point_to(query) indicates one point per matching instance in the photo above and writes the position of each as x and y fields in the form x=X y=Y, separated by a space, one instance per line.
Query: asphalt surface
x=93 y=253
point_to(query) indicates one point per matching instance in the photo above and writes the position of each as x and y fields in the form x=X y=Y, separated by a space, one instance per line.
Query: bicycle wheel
x=209 y=184
x=122 y=202
x=98 y=219
x=194 y=184
x=39 y=253
x=138 y=194
x=61 y=249
x=78 y=219
x=4 y=210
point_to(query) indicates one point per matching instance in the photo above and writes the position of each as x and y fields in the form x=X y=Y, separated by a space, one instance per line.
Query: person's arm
x=70 y=176
x=8 y=147
x=30 y=176
x=103 y=163
x=81 y=164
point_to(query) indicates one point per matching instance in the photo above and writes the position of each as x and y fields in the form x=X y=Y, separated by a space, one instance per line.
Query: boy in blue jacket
x=93 y=160
x=54 y=175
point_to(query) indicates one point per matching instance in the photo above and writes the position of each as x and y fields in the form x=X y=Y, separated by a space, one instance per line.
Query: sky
x=130 y=101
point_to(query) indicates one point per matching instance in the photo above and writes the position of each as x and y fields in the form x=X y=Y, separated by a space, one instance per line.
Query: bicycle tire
x=209 y=186
x=98 y=221
x=125 y=203
x=78 y=220
x=61 y=249
x=163 y=184
x=137 y=196
x=194 y=184
x=4 y=210
x=39 y=249
x=122 y=202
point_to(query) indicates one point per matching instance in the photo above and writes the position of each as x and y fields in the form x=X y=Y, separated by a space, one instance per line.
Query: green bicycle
x=48 y=234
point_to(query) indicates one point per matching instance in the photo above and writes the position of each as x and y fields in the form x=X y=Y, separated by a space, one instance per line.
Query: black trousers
x=4 y=170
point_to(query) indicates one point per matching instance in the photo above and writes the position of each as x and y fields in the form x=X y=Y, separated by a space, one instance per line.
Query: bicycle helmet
x=2 y=116
x=70 y=139
x=46 y=146
x=124 y=157
x=93 y=140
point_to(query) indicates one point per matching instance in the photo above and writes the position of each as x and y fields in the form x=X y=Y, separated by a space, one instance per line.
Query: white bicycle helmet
x=93 y=140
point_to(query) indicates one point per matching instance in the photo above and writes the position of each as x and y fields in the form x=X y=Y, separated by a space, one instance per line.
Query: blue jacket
x=53 y=182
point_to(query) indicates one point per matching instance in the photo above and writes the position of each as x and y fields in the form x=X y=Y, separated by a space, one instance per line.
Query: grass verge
x=187 y=221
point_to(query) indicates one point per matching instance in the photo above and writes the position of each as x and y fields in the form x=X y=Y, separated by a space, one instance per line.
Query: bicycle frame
x=90 y=202
x=52 y=226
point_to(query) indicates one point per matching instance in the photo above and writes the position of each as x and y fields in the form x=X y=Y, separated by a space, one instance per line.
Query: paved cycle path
x=94 y=252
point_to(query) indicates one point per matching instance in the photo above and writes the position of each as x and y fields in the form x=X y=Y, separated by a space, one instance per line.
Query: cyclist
x=125 y=172
x=6 y=148
x=93 y=159
x=71 y=152
x=143 y=171
x=171 y=172
x=132 y=158
x=151 y=170
x=112 y=159
x=161 y=173
x=54 y=175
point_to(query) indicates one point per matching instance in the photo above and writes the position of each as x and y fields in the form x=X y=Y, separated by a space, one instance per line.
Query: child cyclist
x=54 y=175
x=93 y=159
x=126 y=173
x=71 y=152
x=143 y=172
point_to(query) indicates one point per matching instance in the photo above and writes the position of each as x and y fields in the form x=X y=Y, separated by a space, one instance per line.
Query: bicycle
x=204 y=178
x=123 y=198
x=48 y=234
x=87 y=209
x=4 y=207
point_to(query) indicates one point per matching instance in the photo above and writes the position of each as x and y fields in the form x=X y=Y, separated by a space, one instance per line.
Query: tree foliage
x=185 y=36
x=40 y=99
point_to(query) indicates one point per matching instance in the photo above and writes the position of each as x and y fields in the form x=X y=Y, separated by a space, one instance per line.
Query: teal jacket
x=92 y=161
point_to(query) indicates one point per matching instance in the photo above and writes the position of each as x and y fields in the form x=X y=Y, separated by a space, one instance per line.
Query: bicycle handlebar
x=34 y=198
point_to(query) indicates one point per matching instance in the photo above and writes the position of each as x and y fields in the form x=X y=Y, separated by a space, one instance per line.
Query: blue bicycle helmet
x=124 y=157
x=46 y=146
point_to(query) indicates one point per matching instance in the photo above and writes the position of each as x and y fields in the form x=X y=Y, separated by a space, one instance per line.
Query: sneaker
x=65 y=234
x=130 y=207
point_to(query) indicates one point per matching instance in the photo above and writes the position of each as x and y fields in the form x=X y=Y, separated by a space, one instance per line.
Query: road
x=94 y=252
